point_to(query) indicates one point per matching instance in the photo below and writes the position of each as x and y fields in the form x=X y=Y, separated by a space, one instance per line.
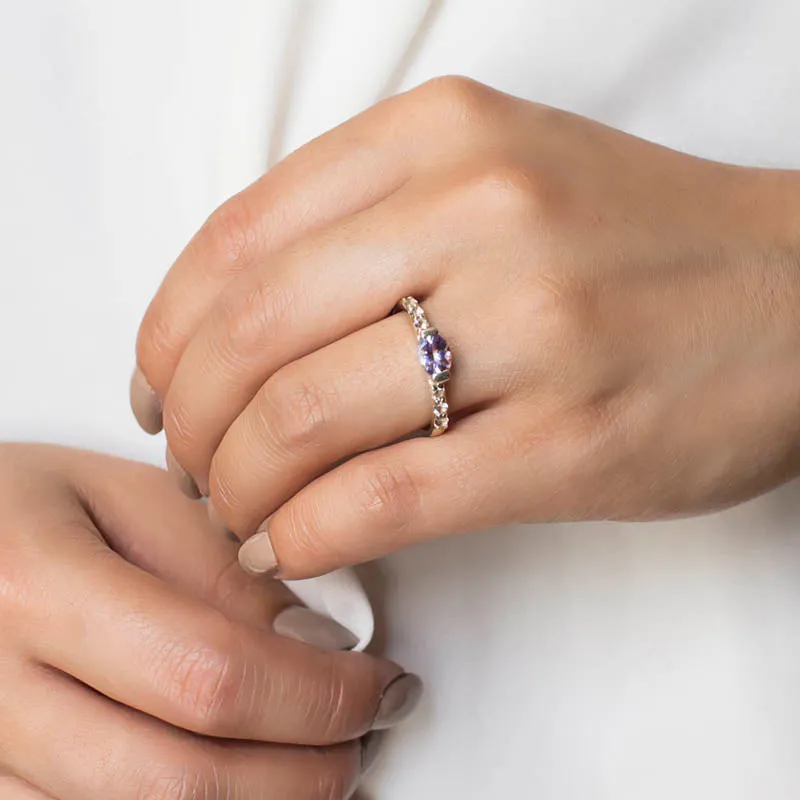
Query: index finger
x=143 y=643
x=335 y=176
x=304 y=192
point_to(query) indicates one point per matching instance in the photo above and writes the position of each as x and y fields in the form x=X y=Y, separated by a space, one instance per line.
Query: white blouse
x=570 y=662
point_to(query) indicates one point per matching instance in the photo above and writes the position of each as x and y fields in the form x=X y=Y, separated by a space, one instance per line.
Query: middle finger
x=357 y=394
x=325 y=287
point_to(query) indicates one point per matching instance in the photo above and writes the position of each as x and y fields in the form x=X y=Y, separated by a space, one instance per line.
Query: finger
x=281 y=310
x=152 y=647
x=359 y=393
x=170 y=537
x=77 y=745
x=304 y=192
x=400 y=495
x=335 y=176
x=12 y=788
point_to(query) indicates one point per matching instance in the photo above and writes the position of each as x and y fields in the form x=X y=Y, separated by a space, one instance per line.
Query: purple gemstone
x=434 y=354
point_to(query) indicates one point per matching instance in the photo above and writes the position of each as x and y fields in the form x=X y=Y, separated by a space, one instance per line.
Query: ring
x=436 y=358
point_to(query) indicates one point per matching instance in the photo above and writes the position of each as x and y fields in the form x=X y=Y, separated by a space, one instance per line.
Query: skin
x=138 y=661
x=623 y=319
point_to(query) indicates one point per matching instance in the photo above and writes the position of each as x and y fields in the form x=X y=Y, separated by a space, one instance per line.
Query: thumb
x=382 y=501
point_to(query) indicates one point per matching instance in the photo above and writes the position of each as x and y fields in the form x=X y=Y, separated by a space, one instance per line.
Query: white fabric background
x=598 y=662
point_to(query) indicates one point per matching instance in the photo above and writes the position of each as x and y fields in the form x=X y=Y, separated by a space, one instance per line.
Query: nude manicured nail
x=184 y=480
x=319 y=631
x=370 y=749
x=399 y=700
x=145 y=404
x=256 y=554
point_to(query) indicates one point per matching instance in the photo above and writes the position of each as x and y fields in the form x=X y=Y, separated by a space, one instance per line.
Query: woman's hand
x=127 y=628
x=624 y=321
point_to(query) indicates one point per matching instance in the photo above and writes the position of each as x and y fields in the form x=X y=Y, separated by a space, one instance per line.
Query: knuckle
x=296 y=409
x=252 y=312
x=456 y=96
x=203 y=681
x=333 y=785
x=565 y=345
x=229 y=234
x=177 y=425
x=303 y=526
x=507 y=192
x=332 y=703
x=165 y=783
x=390 y=497
x=213 y=781
x=561 y=309
x=224 y=492
x=156 y=340
x=191 y=774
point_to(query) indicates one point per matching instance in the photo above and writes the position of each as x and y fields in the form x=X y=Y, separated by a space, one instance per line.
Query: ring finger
x=280 y=311
x=357 y=394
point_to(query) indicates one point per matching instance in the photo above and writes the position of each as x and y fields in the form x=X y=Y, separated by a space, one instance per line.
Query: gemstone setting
x=436 y=359
x=434 y=354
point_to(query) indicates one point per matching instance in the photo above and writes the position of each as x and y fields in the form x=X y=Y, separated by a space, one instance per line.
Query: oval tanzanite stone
x=434 y=354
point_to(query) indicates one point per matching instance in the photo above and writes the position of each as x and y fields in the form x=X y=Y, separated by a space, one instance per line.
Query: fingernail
x=370 y=750
x=399 y=700
x=305 y=625
x=256 y=554
x=184 y=480
x=145 y=404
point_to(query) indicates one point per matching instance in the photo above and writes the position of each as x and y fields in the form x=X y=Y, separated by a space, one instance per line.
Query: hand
x=623 y=319
x=127 y=628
